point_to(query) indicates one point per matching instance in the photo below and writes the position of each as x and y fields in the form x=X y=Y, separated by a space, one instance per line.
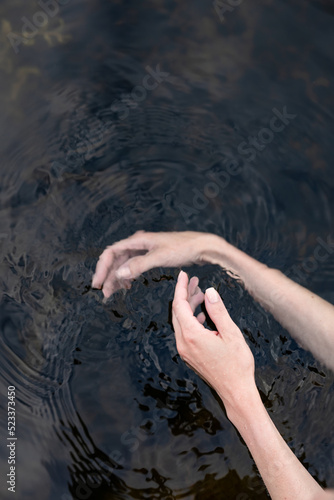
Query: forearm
x=284 y=476
x=306 y=316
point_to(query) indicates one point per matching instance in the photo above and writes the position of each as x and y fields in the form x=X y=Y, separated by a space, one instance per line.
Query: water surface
x=105 y=407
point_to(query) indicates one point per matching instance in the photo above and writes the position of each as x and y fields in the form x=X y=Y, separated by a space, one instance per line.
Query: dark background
x=102 y=396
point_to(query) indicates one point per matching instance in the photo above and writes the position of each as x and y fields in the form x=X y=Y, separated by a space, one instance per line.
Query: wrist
x=214 y=249
x=218 y=251
x=241 y=408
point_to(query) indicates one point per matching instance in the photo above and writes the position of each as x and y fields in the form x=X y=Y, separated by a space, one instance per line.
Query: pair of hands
x=222 y=357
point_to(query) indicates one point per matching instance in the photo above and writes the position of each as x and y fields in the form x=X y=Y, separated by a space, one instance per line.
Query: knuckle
x=189 y=336
x=138 y=233
x=174 y=306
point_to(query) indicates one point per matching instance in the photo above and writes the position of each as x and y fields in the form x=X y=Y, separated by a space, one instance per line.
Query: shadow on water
x=105 y=408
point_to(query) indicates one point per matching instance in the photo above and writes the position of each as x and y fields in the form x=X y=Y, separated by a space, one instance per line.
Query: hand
x=123 y=261
x=222 y=358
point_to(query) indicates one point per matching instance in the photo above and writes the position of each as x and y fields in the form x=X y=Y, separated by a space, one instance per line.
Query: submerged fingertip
x=96 y=284
x=201 y=317
x=106 y=295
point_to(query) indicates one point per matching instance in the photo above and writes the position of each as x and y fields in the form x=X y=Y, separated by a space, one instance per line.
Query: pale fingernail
x=180 y=273
x=212 y=295
x=123 y=272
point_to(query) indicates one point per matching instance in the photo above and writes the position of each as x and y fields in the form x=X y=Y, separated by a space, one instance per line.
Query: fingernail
x=178 y=278
x=212 y=295
x=123 y=272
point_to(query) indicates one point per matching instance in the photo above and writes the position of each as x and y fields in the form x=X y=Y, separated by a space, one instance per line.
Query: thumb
x=138 y=265
x=218 y=312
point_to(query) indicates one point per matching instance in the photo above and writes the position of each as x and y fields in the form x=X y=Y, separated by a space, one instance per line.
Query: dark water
x=105 y=409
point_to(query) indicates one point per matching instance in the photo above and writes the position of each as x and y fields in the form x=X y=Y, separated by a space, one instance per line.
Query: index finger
x=102 y=268
x=138 y=241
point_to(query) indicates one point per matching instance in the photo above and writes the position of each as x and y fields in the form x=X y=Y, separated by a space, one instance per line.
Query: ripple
x=97 y=378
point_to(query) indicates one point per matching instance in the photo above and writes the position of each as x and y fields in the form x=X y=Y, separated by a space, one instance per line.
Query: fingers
x=138 y=265
x=111 y=284
x=184 y=322
x=182 y=310
x=138 y=241
x=193 y=283
x=201 y=318
x=195 y=294
x=196 y=299
x=102 y=268
x=218 y=313
x=109 y=260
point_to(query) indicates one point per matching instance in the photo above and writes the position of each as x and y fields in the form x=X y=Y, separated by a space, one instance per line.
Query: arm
x=224 y=360
x=308 y=318
x=284 y=476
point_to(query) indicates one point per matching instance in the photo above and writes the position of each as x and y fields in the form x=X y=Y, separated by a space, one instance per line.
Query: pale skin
x=222 y=358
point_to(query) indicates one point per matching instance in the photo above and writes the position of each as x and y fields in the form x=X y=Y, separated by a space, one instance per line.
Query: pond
x=159 y=115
